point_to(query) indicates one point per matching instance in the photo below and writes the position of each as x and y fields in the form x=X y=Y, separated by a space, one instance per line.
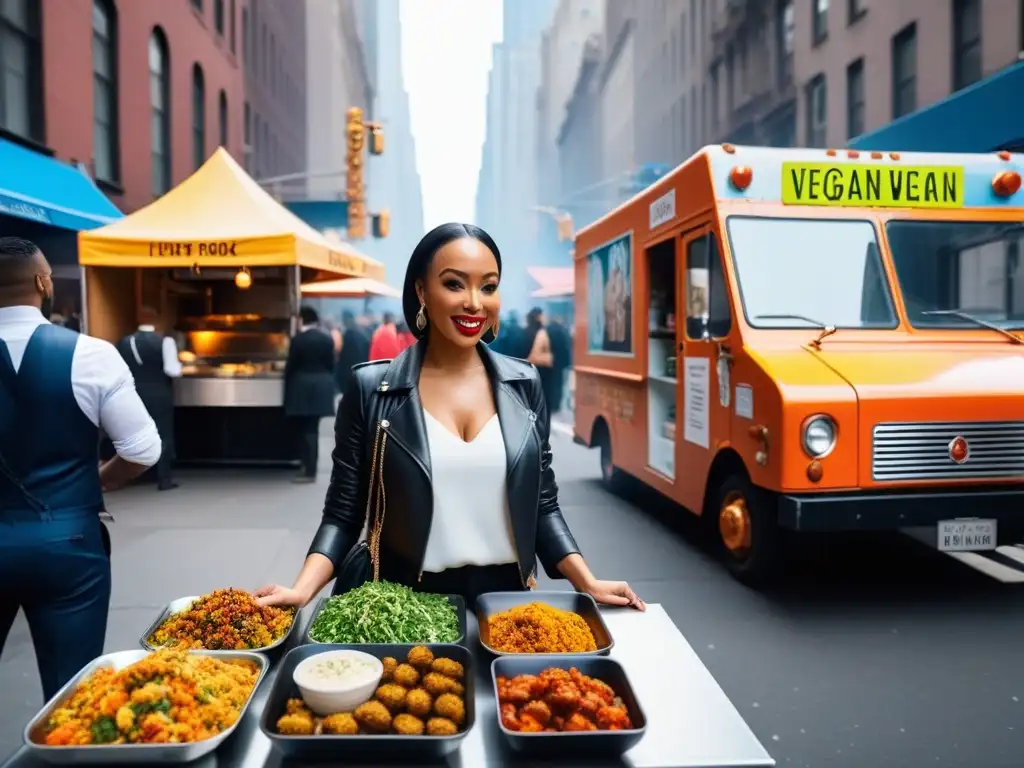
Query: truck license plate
x=967 y=535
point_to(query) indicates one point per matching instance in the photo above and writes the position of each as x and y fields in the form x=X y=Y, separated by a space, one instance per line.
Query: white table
x=691 y=722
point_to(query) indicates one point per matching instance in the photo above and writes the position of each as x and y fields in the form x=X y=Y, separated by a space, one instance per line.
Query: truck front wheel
x=748 y=530
x=611 y=477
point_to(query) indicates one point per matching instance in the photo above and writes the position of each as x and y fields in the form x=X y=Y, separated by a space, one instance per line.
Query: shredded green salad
x=382 y=612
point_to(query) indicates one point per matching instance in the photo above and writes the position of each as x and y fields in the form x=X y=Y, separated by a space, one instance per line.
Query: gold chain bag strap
x=378 y=503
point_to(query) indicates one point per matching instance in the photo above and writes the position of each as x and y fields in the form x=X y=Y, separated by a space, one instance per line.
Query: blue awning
x=39 y=188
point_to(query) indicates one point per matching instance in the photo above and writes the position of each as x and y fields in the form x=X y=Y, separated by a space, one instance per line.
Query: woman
x=537 y=342
x=456 y=438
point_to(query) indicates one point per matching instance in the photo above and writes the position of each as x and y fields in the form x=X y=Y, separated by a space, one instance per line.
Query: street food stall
x=221 y=264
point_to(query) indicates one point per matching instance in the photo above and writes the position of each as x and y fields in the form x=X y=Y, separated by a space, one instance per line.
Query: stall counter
x=691 y=722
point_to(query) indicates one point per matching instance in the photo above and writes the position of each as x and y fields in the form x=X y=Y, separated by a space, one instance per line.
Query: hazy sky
x=446 y=57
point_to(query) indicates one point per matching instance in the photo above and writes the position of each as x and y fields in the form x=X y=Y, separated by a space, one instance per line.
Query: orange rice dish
x=224 y=620
x=169 y=697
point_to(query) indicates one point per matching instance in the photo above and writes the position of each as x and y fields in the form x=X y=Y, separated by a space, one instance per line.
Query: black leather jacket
x=385 y=394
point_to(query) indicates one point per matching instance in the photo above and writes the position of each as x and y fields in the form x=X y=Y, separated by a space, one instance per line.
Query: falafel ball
x=373 y=716
x=436 y=684
x=390 y=665
x=392 y=696
x=408 y=725
x=448 y=668
x=418 y=702
x=420 y=656
x=295 y=724
x=406 y=675
x=295 y=706
x=441 y=726
x=450 y=706
x=458 y=689
x=341 y=724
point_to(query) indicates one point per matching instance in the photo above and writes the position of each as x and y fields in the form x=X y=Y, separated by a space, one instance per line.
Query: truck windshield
x=954 y=274
x=827 y=270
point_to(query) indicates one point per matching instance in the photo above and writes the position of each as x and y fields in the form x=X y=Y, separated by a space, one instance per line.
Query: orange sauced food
x=559 y=700
x=539 y=628
x=169 y=697
x=226 y=619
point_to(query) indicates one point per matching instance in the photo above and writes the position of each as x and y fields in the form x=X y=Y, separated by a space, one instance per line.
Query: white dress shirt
x=172 y=365
x=103 y=386
x=471 y=524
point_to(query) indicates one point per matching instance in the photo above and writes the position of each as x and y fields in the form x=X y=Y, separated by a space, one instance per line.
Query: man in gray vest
x=153 y=360
x=58 y=389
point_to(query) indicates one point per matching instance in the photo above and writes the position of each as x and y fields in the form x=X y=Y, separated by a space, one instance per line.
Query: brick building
x=140 y=92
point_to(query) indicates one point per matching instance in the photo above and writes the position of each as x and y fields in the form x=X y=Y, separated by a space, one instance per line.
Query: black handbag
x=362 y=563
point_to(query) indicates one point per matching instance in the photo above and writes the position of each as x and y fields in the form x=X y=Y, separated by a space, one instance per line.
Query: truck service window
x=962 y=267
x=828 y=271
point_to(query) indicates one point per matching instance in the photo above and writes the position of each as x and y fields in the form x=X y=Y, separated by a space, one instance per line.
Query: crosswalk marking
x=1011 y=572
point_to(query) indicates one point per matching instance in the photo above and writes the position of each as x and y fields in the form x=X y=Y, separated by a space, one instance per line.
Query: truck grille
x=920 y=451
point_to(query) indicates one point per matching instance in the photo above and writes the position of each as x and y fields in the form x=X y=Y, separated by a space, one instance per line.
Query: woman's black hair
x=423 y=255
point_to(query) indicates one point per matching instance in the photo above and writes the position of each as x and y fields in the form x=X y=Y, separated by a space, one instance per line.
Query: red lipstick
x=468 y=325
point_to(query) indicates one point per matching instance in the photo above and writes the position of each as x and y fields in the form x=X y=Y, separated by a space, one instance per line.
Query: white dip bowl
x=337 y=681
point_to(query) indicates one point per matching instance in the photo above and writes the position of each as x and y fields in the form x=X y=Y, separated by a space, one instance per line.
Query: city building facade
x=618 y=101
x=578 y=144
x=173 y=68
x=339 y=78
x=861 y=64
x=274 y=51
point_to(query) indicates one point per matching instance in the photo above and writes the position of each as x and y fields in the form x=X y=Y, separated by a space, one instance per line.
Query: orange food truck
x=787 y=340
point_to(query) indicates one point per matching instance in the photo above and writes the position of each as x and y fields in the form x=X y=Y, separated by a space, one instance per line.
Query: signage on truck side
x=873 y=186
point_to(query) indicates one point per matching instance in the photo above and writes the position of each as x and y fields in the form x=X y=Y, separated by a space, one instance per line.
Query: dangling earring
x=421 y=317
x=496 y=327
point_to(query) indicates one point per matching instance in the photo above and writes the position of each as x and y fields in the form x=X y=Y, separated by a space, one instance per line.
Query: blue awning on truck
x=984 y=117
x=48 y=191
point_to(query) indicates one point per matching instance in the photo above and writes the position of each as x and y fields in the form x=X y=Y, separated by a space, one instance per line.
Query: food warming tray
x=183 y=604
x=575 y=602
x=456 y=601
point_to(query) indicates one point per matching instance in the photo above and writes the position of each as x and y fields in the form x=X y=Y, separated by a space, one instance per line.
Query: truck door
x=704 y=362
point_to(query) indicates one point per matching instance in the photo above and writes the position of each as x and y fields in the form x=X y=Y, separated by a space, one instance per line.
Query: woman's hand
x=614 y=593
x=284 y=597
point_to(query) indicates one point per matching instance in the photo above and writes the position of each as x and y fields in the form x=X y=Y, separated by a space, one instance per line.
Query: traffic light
x=376 y=140
x=382 y=224
x=565 y=228
x=354 y=188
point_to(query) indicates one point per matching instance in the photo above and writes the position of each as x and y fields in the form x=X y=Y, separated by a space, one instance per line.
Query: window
x=246 y=42
x=784 y=30
x=904 y=72
x=218 y=16
x=231 y=26
x=969 y=267
x=160 y=112
x=198 y=116
x=856 y=9
x=855 y=99
x=966 y=43
x=848 y=289
x=819 y=21
x=247 y=126
x=263 y=50
x=198 y=5
x=222 y=116
x=817 y=112
x=104 y=91
x=707 y=299
x=21 y=68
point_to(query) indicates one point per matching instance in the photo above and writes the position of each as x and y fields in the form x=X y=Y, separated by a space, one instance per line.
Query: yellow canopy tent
x=220 y=217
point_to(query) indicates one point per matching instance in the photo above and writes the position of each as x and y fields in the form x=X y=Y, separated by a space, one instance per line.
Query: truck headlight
x=819 y=436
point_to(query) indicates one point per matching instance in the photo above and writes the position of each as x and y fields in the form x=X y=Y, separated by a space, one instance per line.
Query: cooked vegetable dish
x=169 y=697
x=539 y=628
x=559 y=700
x=382 y=612
x=224 y=620
x=423 y=695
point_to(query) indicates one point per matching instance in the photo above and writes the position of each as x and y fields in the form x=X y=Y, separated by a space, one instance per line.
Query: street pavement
x=878 y=653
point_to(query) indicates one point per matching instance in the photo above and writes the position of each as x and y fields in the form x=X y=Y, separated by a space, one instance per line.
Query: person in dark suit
x=309 y=389
x=355 y=349
x=153 y=360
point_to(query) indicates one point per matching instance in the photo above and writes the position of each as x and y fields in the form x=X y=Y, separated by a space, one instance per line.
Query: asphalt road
x=879 y=653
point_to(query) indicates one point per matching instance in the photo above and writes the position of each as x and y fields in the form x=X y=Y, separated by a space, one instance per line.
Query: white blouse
x=471 y=523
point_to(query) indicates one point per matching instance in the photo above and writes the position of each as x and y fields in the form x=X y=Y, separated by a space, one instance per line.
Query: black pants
x=307 y=431
x=58 y=572
x=164 y=418
x=471 y=581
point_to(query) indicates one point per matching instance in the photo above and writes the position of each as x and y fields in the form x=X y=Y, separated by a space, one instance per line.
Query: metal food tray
x=376 y=747
x=183 y=604
x=575 y=602
x=132 y=754
x=456 y=601
x=572 y=745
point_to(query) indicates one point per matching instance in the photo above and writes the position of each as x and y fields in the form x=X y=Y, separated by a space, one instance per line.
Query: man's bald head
x=24 y=273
